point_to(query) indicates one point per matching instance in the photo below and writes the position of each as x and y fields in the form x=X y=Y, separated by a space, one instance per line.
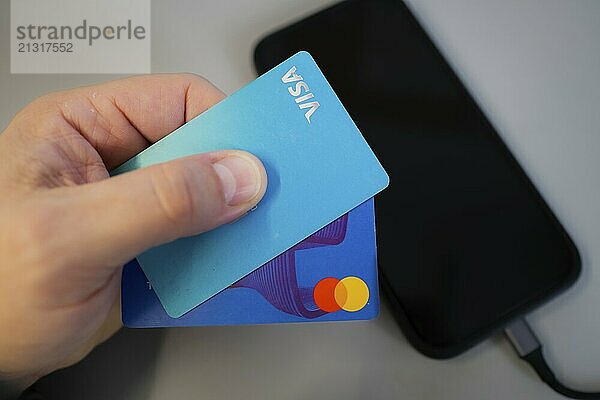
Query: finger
x=132 y=212
x=121 y=118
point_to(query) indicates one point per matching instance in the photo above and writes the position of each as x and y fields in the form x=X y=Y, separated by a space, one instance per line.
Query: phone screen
x=465 y=241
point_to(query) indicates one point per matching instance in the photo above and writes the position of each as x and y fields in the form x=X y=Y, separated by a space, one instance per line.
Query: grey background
x=534 y=68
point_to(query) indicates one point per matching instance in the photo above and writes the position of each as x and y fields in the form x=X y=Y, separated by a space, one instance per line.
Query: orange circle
x=324 y=296
x=340 y=294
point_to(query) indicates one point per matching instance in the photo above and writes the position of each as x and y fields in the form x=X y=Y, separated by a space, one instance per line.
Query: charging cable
x=529 y=349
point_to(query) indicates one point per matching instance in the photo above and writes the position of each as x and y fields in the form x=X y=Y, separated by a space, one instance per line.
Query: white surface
x=533 y=66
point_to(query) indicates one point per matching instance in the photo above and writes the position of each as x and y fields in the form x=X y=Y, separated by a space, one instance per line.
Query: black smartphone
x=466 y=242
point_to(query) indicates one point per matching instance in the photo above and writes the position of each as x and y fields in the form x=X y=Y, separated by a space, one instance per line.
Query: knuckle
x=201 y=87
x=193 y=78
x=44 y=103
x=40 y=117
x=172 y=187
x=34 y=108
x=45 y=99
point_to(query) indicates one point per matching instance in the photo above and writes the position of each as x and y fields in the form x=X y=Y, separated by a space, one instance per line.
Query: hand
x=67 y=228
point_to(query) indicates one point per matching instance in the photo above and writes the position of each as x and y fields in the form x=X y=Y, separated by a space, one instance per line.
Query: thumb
x=137 y=210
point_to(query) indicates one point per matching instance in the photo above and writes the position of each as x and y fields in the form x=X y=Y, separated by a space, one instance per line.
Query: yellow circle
x=351 y=293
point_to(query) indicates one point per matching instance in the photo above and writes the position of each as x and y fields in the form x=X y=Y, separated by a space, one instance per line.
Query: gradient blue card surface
x=299 y=285
x=318 y=165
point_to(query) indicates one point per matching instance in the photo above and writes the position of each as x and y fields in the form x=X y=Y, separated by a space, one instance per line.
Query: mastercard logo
x=348 y=294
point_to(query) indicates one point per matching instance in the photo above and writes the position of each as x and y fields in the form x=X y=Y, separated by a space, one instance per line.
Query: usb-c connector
x=529 y=348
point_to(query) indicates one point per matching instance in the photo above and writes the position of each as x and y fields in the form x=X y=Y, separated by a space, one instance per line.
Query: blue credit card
x=318 y=165
x=330 y=276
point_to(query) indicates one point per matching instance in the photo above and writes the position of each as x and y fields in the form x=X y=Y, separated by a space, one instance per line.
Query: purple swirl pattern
x=277 y=281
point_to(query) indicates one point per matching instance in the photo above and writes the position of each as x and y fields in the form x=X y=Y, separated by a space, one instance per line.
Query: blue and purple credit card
x=330 y=276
